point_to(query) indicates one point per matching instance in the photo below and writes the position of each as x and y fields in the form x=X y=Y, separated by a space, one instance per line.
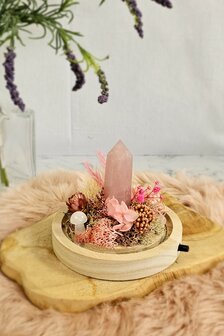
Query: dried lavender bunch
x=76 y=69
x=16 y=18
x=9 y=66
x=103 y=98
x=164 y=3
x=137 y=14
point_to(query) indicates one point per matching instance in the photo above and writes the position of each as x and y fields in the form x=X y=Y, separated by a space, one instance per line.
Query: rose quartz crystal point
x=118 y=173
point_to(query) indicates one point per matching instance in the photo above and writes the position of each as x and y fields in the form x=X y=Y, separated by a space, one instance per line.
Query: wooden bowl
x=115 y=265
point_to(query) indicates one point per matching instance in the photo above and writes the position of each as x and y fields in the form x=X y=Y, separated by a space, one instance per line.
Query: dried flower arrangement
x=92 y=219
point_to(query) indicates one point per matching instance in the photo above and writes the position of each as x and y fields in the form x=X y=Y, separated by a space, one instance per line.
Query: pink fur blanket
x=192 y=306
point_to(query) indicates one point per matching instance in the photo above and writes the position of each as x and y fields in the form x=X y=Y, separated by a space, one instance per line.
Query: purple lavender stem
x=134 y=10
x=164 y=3
x=76 y=69
x=103 y=98
x=9 y=66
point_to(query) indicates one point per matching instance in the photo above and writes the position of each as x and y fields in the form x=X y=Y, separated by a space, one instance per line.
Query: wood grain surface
x=28 y=258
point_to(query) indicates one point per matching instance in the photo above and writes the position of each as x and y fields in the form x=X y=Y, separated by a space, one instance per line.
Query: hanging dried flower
x=51 y=18
x=164 y=3
x=103 y=98
x=9 y=66
x=76 y=69
x=137 y=14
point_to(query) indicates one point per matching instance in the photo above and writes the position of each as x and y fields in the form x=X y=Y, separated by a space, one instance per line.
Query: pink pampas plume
x=94 y=174
x=102 y=158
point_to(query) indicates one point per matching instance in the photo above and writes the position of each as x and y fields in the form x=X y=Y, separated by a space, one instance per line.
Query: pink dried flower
x=76 y=202
x=101 y=234
x=121 y=213
x=139 y=194
x=142 y=195
x=156 y=189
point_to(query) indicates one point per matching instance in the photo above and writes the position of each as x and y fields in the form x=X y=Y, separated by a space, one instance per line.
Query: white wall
x=166 y=91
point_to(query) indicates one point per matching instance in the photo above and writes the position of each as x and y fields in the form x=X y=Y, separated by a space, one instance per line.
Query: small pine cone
x=145 y=217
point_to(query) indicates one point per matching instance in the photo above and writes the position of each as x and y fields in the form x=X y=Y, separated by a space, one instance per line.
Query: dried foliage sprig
x=16 y=18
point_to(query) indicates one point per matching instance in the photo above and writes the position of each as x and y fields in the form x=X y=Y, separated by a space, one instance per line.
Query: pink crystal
x=118 y=173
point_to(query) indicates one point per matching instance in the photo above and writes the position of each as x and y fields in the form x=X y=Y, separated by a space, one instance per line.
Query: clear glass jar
x=17 y=147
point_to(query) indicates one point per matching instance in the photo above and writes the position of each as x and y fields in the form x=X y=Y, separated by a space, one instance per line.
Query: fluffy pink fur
x=191 y=306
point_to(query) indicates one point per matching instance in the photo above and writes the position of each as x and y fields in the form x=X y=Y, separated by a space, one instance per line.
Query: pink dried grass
x=191 y=306
x=96 y=175
x=101 y=158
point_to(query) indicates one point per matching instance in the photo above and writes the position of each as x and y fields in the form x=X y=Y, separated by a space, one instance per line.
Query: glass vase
x=17 y=147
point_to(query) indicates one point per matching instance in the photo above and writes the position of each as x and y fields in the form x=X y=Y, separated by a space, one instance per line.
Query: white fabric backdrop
x=166 y=91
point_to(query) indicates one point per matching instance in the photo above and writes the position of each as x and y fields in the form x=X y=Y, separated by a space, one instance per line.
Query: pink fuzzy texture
x=191 y=306
x=101 y=234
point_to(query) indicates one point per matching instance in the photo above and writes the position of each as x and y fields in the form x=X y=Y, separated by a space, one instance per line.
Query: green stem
x=3 y=175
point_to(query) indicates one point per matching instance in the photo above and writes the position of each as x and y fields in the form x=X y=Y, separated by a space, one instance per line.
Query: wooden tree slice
x=28 y=258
